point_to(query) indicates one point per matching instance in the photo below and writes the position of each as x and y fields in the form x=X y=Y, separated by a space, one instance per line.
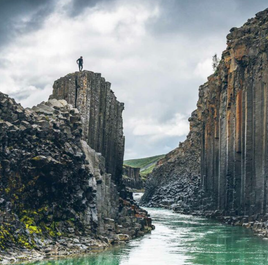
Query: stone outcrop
x=175 y=181
x=234 y=123
x=101 y=115
x=232 y=113
x=56 y=196
x=132 y=178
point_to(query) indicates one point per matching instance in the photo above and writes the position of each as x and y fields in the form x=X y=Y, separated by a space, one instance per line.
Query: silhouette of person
x=79 y=61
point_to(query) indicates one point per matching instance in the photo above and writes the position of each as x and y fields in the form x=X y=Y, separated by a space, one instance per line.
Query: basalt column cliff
x=58 y=196
x=101 y=115
x=234 y=167
x=232 y=113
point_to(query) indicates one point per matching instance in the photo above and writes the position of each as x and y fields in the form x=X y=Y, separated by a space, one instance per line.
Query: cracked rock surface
x=56 y=196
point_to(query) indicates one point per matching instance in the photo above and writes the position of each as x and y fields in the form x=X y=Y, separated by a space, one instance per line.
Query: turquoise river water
x=182 y=239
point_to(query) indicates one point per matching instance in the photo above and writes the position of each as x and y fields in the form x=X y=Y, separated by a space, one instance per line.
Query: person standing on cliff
x=79 y=61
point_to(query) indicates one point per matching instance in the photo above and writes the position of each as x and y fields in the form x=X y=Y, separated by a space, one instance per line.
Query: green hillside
x=146 y=164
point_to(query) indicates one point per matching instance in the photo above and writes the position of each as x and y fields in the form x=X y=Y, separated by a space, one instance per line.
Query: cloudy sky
x=155 y=53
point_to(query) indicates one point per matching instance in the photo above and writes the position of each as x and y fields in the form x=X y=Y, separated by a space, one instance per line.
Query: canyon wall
x=101 y=115
x=175 y=180
x=132 y=178
x=232 y=113
x=234 y=161
x=54 y=187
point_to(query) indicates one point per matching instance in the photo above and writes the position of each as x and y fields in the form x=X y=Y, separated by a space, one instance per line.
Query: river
x=182 y=240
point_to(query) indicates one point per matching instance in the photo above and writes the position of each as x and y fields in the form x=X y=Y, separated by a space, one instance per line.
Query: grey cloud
x=196 y=18
x=157 y=93
x=12 y=12
x=161 y=146
x=20 y=95
x=78 y=6
x=248 y=6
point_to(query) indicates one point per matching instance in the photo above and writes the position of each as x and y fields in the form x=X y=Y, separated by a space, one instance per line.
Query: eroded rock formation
x=232 y=115
x=132 y=178
x=56 y=196
x=101 y=115
x=175 y=179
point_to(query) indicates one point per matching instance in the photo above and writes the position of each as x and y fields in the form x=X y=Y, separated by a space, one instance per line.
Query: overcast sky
x=156 y=54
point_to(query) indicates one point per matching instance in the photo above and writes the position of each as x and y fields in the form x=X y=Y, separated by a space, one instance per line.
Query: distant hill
x=146 y=164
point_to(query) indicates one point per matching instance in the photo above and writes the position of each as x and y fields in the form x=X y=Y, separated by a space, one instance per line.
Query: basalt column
x=234 y=116
x=101 y=115
x=232 y=113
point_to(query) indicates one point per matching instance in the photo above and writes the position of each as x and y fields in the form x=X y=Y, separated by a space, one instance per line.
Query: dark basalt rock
x=132 y=178
x=234 y=131
x=221 y=168
x=175 y=181
x=56 y=195
x=101 y=114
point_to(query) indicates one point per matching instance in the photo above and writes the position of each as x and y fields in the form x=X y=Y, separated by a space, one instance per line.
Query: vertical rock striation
x=232 y=113
x=56 y=195
x=101 y=115
x=234 y=117
x=132 y=178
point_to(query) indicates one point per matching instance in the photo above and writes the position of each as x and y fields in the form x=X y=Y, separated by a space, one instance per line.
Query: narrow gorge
x=221 y=168
x=66 y=192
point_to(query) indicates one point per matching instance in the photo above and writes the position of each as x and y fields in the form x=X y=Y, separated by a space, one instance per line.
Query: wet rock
x=123 y=237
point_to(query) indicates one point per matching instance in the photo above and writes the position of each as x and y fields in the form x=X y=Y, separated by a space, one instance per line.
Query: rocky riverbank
x=56 y=196
x=258 y=224
x=220 y=170
x=71 y=245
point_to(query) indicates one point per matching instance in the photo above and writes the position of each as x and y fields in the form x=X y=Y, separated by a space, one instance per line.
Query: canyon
x=221 y=168
x=64 y=190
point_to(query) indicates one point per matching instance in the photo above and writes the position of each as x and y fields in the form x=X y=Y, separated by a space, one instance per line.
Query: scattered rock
x=57 y=197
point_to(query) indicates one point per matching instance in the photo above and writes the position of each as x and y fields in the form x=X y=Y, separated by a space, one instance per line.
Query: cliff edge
x=101 y=115
x=232 y=113
x=59 y=196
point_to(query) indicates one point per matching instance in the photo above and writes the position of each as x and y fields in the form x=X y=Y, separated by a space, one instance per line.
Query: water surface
x=182 y=239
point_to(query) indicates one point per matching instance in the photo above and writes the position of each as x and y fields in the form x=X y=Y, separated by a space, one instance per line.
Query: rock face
x=234 y=118
x=232 y=115
x=54 y=187
x=132 y=178
x=101 y=115
x=175 y=179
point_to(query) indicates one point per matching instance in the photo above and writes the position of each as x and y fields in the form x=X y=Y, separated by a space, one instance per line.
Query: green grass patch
x=146 y=164
x=142 y=162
